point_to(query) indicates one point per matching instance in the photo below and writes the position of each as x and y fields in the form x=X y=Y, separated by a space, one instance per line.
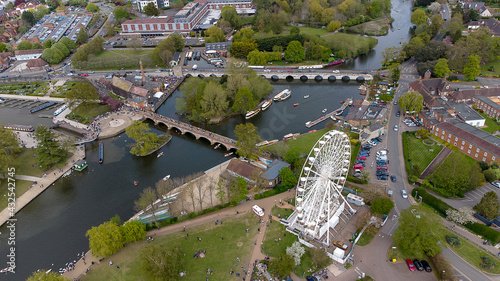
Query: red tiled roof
x=242 y=168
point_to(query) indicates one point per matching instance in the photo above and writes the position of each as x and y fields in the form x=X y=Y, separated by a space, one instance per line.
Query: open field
x=118 y=59
x=495 y=73
x=31 y=88
x=86 y=114
x=302 y=144
x=220 y=254
x=373 y=28
x=25 y=163
x=421 y=155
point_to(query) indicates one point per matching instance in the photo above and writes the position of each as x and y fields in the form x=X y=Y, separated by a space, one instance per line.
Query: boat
x=262 y=143
x=336 y=63
x=350 y=102
x=228 y=154
x=217 y=146
x=252 y=113
x=333 y=118
x=266 y=104
x=159 y=155
x=283 y=95
x=60 y=110
x=295 y=104
x=324 y=110
x=166 y=177
x=308 y=123
x=101 y=152
x=136 y=183
x=272 y=142
x=339 y=112
x=2 y=100
x=306 y=96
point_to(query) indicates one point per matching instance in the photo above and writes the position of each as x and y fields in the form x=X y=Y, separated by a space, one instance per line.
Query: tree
x=62 y=48
x=288 y=178
x=47 y=44
x=382 y=206
x=146 y=202
x=243 y=35
x=28 y=18
x=161 y=263
x=319 y=257
x=201 y=191
x=105 y=239
x=282 y=265
x=292 y=156
x=396 y=73
x=472 y=68
x=238 y=190
x=52 y=55
x=230 y=15
x=489 y=175
x=9 y=147
x=82 y=36
x=116 y=220
x=242 y=49
x=82 y=92
x=214 y=101
x=294 y=30
x=248 y=137
x=295 y=52
x=221 y=190
x=441 y=68
x=163 y=53
x=462 y=216
x=24 y=45
x=133 y=231
x=411 y=101
x=91 y=7
x=151 y=10
x=49 y=151
x=333 y=25
x=296 y=251
x=144 y=141
x=434 y=8
x=417 y=234
x=422 y=133
x=488 y=206
x=244 y=101
x=120 y=14
x=42 y=275
x=214 y=34
x=418 y=17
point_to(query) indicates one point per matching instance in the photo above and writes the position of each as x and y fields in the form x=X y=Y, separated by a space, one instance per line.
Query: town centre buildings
x=199 y=14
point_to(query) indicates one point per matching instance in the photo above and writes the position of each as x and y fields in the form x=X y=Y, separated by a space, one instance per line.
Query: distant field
x=353 y=45
x=310 y=30
x=117 y=59
x=373 y=28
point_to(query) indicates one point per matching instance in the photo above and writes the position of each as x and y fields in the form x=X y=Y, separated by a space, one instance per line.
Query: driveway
x=473 y=197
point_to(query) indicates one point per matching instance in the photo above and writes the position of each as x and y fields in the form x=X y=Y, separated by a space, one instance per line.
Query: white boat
x=217 y=146
x=228 y=154
x=306 y=96
x=60 y=109
x=262 y=143
x=159 y=155
x=283 y=95
x=266 y=104
x=308 y=123
x=272 y=142
x=333 y=118
x=324 y=110
x=252 y=113
x=166 y=177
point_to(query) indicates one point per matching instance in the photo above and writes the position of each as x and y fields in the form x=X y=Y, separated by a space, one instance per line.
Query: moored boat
x=262 y=143
x=101 y=152
x=159 y=155
x=283 y=95
x=266 y=104
x=252 y=113
x=217 y=146
x=228 y=154
x=324 y=110
x=295 y=104
x=286 y=95
x=166 y=177
x=136 y=183
x=60 y=110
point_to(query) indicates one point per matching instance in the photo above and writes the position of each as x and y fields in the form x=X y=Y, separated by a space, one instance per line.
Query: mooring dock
x=329 y=115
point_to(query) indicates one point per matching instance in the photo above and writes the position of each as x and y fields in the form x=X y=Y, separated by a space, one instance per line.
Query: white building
x=468 y=115
x=141 y=4
x=28 y=54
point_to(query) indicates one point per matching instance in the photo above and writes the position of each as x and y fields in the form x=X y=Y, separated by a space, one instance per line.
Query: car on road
x=403 y=194
x=496 y=183
x=396 y=128
x=395 y=102
x=398 y=113
x=91 y=72
x=340 y=245
x=418 y=265
x=426 y=266
x=393 y=178
x=85 y=74
x=410 y=265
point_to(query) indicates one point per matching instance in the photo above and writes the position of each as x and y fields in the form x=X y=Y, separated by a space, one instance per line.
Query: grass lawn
x=86 y=114
x=495 y=73
x=118 y=59
x=25 y=163
x=470 y=252
x=275 y=211
x=491 y=125
x=117 y=53
x=367 y=236
x=311 y=30
x=419 y=153
x=302 y=144
x=220 y=254
x=32 y=88
x=21 y=187
x=373 y=28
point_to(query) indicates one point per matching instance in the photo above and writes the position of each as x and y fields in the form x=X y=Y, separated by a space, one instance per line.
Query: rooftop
x=473 y=135
x=273 y=169
x=466 y=112
x=493 y=102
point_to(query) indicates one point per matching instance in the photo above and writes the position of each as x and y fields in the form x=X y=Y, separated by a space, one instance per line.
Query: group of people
x=69 y=266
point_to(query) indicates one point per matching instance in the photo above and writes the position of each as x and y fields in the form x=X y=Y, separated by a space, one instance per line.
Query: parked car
x=378 y=139
x=340 y=245
x=418 y=265
x=382 y=167
x=403 y=194
x=362 y=158
x=410 y=265
x=393 y=178
x=382 y=178
x=496 y=183
x=426 y=265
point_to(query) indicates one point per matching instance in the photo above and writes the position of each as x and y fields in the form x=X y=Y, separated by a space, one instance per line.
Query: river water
x=51 y=229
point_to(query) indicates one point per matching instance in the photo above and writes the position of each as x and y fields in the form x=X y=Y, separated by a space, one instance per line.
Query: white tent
x=158 y=95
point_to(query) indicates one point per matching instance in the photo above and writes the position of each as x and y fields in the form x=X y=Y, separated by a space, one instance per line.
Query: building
x=187 y=19
x=28 y=54
x=468 y=115
x=490 y=106
x=467 y=96
x=12 y=24
x=238 y=168
x=473 y=142
x=23 y=7
x=141 y=4
x=37 y=64
x=492 y=24
x=271 y=175
x=175 y=59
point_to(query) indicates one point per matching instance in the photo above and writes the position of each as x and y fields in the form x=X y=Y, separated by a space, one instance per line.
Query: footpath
x=81 y=267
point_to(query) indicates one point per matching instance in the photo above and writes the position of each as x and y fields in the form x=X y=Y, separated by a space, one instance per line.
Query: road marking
x=470 y=266
x=461 y=273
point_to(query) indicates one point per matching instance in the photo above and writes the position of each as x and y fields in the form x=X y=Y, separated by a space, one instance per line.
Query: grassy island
x=145 y=142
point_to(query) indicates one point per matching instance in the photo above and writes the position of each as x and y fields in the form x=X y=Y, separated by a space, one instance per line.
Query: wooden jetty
x=338 y=111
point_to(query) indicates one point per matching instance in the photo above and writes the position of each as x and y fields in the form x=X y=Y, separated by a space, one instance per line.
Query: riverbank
x=116 y=123
x=41 y=184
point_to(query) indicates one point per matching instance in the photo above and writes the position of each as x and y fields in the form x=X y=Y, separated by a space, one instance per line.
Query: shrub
x=412 y=179
x=382 y=206
x=486 y=232
x=356 y=180
x=489 y=175
x=277 y=190
x=453 y=240
x=443 y=267
x=429 y=199
x=487 y=263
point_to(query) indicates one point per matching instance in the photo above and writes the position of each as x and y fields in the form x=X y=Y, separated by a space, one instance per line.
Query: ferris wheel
x=319 y=204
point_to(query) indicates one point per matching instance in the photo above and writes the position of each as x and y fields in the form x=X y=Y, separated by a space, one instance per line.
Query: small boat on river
x=166 y=177
x=101 y=152
x=252 y=113
x=295 y=104
x=266 y=104
x=283 y=95
x=159 y=155
x=228 y=154
x=306 y=96
x=217 y=146
x=136 y=183
x=324 y=110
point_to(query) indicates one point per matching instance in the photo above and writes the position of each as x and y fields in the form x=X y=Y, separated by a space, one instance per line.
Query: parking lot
x=473 y=197
x=373 y=157
x=55 y=27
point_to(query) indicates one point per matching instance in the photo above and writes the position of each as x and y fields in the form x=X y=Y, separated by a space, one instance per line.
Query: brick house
x=490 y=106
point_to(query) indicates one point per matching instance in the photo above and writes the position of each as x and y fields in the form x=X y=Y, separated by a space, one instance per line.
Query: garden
x=85 y=113
x=25 y=89
x=418 y=153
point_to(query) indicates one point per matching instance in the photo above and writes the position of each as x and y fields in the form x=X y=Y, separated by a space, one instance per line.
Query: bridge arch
x=289 y=78
x=346 y=78
x=332 y=78
x=190 y=133
x=303 y=78
x=318 y=78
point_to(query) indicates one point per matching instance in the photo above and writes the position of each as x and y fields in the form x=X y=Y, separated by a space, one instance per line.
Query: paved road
x=471 y=198
x=463 y=270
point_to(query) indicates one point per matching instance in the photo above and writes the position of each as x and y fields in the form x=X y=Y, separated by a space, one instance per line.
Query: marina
x=337 y=112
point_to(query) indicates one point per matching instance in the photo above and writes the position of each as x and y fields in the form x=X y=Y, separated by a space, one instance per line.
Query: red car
x=361 y=158
x=410 y=265
x=85 y=74
x=382 y=167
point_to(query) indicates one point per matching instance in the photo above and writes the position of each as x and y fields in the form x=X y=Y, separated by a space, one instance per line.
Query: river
x=51 y=229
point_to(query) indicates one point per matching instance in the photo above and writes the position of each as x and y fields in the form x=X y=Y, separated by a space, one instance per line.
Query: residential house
x=492 y=24
x=12 y=24
x=37 y=64
x=489 y=105
x=10 y=32
x=175 y=59
x=467 y=95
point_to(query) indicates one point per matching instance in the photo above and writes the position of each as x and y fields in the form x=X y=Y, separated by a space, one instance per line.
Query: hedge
x=485 y=231
x=439 y=205
x=356 y=180
x=277 y=190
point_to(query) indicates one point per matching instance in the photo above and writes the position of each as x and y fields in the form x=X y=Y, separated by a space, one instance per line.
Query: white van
x=258 y=211
x=382 y=152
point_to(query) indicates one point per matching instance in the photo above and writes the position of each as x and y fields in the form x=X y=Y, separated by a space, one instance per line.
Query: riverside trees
x=144 y=142
x=49 y=150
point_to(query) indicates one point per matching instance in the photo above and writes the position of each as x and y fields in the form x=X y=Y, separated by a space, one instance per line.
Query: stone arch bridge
x=184 y=128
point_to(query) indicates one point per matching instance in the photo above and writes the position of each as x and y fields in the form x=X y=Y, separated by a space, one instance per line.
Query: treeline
x=94 y=47
x=164 y=52
x=204 y=99
x=58 y=51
